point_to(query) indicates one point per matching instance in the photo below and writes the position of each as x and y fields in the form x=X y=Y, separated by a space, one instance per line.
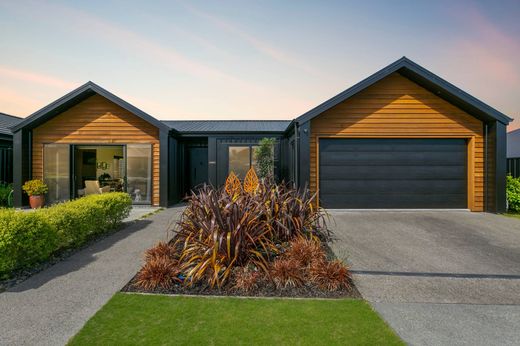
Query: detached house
x=402 y=138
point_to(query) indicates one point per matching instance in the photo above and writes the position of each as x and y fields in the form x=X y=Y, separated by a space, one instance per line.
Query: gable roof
x=513 y=144
x=6 y=122
x=426 y=79
x=76 y=96
x=228 y=126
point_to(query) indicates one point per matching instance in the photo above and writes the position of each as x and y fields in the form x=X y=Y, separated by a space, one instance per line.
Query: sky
x=250 y=59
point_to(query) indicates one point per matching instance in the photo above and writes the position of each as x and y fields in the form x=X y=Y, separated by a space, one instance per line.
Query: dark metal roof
x=227 y=126
x=76 y=96
x=513 y=144
x=6 y=122
x=426 y=79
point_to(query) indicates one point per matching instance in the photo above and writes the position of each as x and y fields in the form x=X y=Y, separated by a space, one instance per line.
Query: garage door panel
x=389 y=201
x=393 y=186
x=383 y=145
x=410 y=158
x=393 y=173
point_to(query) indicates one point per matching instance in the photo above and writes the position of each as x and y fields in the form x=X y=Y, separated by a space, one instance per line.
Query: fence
x=513 y=167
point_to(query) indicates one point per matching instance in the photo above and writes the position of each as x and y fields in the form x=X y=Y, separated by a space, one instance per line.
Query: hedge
x=27 y=238
x=513 y=194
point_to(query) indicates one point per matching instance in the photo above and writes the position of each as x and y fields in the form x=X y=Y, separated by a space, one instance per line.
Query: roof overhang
x=426 y=79
x=76 y=96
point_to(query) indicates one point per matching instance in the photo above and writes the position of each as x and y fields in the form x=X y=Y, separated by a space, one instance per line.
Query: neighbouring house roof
x=513 y=144
x=426 y=79
x=228 y=126
x=76 y=96
x=6 y=122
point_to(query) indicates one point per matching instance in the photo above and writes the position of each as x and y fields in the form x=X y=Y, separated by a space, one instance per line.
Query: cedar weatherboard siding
x=96 y=120
x=396 y=107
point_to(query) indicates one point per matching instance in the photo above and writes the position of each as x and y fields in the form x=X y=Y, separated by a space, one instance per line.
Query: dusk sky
x=250 y=59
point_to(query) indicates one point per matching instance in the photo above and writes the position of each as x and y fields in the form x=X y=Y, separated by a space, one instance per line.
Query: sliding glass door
x=56 y=171
x=139 y=172
x=93 y=169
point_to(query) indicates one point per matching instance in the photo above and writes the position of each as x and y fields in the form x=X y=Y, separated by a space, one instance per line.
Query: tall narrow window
x=139 y=172
x=239 y=160
x=56 y=171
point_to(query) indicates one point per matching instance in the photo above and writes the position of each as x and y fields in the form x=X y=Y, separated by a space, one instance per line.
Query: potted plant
x=36 y=189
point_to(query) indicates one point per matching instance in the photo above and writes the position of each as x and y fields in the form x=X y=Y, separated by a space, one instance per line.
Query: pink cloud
x=36 y=78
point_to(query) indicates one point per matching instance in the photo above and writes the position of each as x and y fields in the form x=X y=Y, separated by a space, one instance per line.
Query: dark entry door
x=393 y=173
x=197 y=166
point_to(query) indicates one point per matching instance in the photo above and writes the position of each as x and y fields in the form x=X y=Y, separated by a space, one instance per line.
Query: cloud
x=35 y=78
x=258 y=44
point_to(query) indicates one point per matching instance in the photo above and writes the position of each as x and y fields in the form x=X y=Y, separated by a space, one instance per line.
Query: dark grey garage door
x=393 y=173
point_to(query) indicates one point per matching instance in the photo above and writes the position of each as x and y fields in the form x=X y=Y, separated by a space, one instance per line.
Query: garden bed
x=252 y=239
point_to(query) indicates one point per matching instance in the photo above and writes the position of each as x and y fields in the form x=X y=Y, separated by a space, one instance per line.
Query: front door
x=197 y=166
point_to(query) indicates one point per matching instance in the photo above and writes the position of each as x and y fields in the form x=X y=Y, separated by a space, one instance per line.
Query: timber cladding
x=396 y=107
x=96 y=120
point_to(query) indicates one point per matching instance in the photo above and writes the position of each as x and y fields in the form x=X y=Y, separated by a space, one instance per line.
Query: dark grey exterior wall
x=21 y=165
x=496 y=169
x=6 y=159
x=304 y=155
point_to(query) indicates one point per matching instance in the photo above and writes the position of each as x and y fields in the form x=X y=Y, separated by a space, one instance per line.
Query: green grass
x=514 y=215
x=133 y=319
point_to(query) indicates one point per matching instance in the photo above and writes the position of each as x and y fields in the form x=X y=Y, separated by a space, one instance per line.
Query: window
x=241 y=158
x=56 y=171
x=139 y=172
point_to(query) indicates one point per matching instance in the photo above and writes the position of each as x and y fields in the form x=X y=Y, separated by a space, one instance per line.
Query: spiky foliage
x=158 y=272
x=286 y=272
x=162 y=249
x=330 y=276
x=251 y=181
x=246 y=279
x=233 y=186
x=305 y=251
x=219 y=231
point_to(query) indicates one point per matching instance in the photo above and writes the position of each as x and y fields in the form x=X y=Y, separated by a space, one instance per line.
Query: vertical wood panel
x=396 y=107
x=96 y=120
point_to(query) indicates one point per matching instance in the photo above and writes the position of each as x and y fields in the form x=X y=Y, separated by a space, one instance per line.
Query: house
x=513 y=153
x=6 y=147
x=402 y=138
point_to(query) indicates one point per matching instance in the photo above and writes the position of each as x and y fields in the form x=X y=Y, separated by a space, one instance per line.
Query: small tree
x=264 y=154
x=513 y=194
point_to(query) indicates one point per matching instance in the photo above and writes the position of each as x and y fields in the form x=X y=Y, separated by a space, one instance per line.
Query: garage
x=386 y=173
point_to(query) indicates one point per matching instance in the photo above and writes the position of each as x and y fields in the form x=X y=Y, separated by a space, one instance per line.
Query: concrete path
x=437 y=277
x=52 y=306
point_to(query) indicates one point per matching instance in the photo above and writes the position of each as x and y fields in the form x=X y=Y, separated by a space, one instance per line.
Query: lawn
x=514 y=215
x=133 y=319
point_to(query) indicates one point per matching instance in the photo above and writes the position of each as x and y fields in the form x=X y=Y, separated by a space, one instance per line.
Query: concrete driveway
x=437 y=277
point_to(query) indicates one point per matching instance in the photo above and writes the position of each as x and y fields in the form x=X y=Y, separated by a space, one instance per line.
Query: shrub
x=79 y=220
x=513 y=193
x=25 y=239
x=330 y=276
x=35 y=187
x=305 y=251
x=246 y=279
x=5 y=192
x=264 y=154
x=224 y=228
x=160 y=250
x=286 y=273
x=29 y=237
x=158 y=272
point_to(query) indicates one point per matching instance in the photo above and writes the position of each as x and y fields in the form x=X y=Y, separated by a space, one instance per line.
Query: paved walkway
x=52 y=306
x=438 y=278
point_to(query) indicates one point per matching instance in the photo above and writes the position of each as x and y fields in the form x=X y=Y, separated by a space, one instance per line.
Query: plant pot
x=37 y=201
